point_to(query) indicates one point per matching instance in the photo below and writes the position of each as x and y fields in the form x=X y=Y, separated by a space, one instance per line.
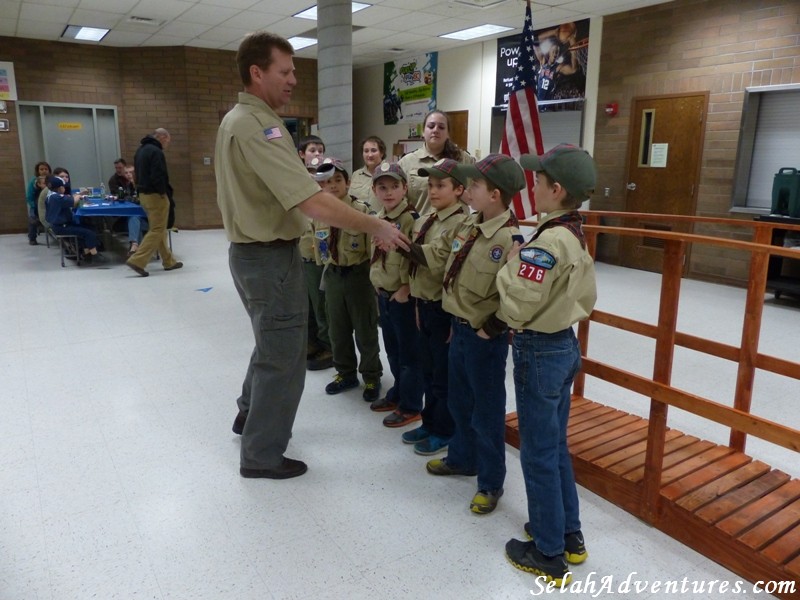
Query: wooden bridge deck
x=738 y=511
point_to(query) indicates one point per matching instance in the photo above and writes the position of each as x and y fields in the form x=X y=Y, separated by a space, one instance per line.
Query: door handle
x=631 y=187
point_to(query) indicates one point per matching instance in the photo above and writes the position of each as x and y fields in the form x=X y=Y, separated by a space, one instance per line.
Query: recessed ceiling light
x=78 y=32
x=298 y=43
x=311 y=13
x=476 y=32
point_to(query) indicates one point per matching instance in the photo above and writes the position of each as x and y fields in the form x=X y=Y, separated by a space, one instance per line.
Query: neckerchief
x=571 y=220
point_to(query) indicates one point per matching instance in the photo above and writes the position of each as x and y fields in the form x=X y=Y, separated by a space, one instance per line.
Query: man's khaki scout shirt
x=260 y=180
x=550 y=285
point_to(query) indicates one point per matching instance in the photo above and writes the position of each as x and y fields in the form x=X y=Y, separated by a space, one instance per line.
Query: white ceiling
x=389 y=28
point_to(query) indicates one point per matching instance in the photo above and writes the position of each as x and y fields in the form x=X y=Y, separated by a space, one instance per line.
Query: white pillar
x=335 y=78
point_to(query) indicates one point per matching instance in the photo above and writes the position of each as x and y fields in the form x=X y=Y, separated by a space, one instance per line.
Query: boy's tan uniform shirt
x=426 y=282
x=352 y=247
x=393 y=274
x=473 y=294
x=550 y=285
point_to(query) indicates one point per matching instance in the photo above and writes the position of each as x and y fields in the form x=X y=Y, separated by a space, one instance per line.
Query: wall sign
x=8 y=84
x=409 y=89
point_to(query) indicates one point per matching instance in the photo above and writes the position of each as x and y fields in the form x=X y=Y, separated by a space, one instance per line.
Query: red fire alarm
x=612 y=108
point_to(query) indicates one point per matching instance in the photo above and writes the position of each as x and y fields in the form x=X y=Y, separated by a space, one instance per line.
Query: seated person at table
x=122 y=179
x=119 y=184
x=59 y=214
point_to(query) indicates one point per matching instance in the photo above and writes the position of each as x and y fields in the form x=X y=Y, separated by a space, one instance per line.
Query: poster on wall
x=560 y=56
x=409 y=90
x=8 y=85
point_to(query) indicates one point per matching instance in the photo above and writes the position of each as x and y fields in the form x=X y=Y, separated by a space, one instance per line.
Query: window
x=769 y=140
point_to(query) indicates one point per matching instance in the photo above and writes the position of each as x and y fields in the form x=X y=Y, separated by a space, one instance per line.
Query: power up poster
x=409 y=88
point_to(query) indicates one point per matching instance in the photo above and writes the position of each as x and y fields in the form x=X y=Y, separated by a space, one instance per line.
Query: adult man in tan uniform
x=266 y=197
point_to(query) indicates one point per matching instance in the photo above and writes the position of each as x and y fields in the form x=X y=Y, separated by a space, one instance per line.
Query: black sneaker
x=340 y=384
x=372 y=391
x=526 y=557
x=574 y=547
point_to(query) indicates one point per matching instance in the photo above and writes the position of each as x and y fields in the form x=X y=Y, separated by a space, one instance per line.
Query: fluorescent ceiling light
x=311 y=13
x=78 y=32
x=298 y=43
x=476 y=32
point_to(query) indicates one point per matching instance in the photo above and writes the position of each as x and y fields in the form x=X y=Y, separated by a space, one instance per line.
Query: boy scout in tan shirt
x=349 y=295
x=547 y=287
x=478 y=348
x=448 y=213
x=389 y=273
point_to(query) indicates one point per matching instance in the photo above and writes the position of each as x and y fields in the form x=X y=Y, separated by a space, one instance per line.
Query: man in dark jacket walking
x=152 y=182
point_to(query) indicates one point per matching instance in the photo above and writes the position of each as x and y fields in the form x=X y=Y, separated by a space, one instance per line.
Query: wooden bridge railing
x=650 y=499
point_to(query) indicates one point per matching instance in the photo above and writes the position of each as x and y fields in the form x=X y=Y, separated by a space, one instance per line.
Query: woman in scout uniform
x=373 y=151
x=545 y=288
x=436 y=133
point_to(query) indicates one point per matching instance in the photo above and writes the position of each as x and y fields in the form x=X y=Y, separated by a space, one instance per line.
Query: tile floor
x=120 y=473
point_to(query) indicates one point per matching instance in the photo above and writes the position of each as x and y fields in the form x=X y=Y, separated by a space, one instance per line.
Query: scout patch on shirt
x=273 y=133
x=457 y=243
x=535 y=263
x=496 y=253
x=321 y=235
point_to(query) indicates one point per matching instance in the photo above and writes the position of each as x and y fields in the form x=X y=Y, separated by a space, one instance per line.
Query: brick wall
x=183 y=89
x=722 y=46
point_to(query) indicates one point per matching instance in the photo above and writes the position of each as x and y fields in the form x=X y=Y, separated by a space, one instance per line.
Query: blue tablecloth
x=105 y=208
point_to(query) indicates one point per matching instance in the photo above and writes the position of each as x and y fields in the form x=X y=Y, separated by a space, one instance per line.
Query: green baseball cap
x=441 y=169
x=501 y=170
x=569 y=165
x=389 y=169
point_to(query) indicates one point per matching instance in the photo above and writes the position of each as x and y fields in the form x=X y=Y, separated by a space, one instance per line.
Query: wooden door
x=459 y=128
x=664 y=155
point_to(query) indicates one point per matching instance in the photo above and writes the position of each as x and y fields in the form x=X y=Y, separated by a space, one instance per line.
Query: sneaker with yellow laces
x=485 y=501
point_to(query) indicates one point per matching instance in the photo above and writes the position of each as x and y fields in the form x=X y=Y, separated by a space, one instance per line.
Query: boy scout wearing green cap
x=349 y=295
x=446 y=216
x=389 y=273
x=544 y=290
x=478 y=348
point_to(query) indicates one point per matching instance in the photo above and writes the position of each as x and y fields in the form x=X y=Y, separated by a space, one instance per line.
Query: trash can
x=786 y=193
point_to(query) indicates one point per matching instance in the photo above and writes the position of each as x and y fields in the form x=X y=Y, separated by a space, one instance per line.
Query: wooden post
x=674 y=252
x=751 y=330
x=583 y=327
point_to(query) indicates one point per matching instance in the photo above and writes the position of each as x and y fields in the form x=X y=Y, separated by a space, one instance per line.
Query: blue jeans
x=477 y=401
x=399 y=329
x=544 y=368
x=136 y=227
x=434 y=331
x=272 y=289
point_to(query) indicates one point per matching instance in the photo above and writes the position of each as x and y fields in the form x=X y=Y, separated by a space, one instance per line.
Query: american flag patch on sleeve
x=273 y=133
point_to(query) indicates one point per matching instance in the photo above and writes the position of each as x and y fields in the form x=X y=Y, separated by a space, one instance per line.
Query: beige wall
x=182 y=89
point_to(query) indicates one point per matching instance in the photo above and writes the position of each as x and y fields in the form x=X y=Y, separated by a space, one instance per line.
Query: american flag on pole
x=522 y=134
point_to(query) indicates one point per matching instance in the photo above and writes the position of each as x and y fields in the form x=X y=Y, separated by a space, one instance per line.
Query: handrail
x=658 y=388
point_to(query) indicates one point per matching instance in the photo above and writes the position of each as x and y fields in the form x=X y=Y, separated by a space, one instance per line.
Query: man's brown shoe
x=287 y=469
x=138 y=269
x=177 y=265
